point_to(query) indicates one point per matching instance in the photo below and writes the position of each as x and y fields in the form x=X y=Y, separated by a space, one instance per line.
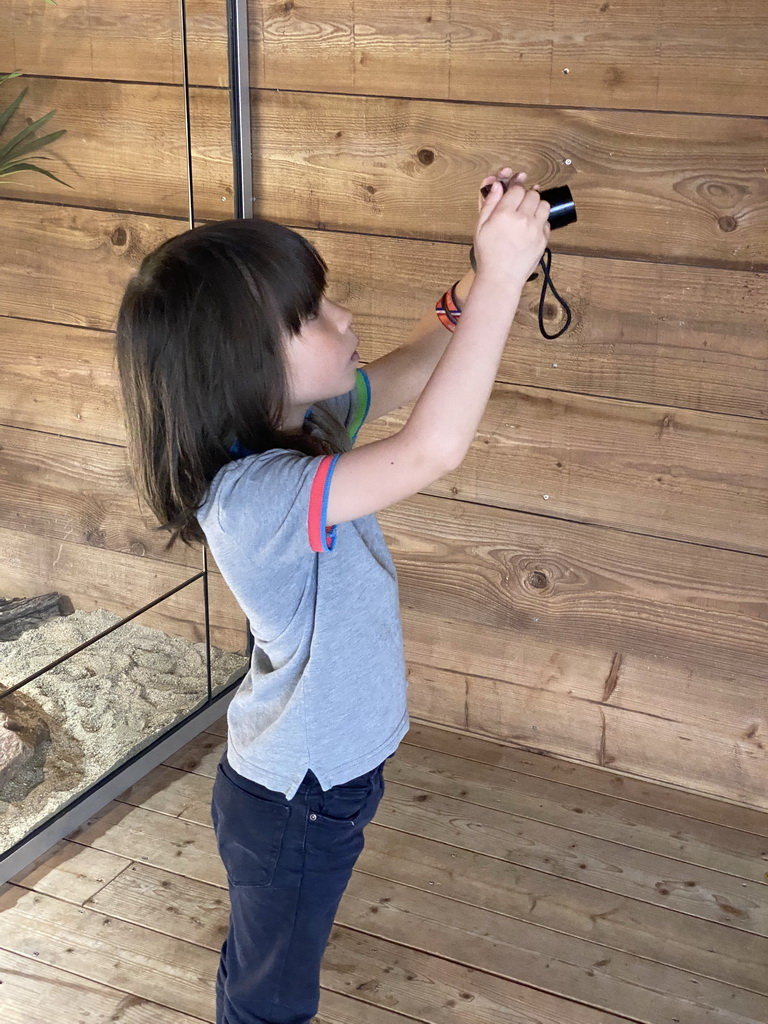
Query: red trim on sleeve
x=316 y=508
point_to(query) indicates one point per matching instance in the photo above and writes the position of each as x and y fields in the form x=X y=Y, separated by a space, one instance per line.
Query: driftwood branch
x=18 y=614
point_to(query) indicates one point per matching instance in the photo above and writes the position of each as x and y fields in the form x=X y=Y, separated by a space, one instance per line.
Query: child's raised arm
x=511 y=235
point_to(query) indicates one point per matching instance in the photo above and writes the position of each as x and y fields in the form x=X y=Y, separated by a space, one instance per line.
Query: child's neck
x=297 y=418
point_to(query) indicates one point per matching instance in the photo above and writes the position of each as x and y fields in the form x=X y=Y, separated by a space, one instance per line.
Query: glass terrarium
x=113 y=652
x=90 y=700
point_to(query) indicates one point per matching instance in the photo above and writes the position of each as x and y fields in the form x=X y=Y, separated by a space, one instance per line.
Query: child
x=243 y=399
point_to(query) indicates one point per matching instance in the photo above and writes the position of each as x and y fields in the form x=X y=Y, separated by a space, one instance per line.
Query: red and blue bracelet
x=448 y=309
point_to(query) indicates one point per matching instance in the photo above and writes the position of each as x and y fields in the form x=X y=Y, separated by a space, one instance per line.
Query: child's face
x=321 y=359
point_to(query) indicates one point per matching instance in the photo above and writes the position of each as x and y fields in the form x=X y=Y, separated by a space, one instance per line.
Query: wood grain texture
x=684 y=603
x=669 y=188
x=50 y=491
x=71 y=265
x=652 y=55
x=125 y=147
x=61 y=379
x=687 y=739
x=29 y=983
x=636 y=636
x=604 y=780
x=578 y=581
x=151 y=961
x=140 y=41
x=661 y=334
x=653 y=471
x=666 y=188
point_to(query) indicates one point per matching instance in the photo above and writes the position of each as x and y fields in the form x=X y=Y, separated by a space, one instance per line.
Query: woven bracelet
x=448 y=309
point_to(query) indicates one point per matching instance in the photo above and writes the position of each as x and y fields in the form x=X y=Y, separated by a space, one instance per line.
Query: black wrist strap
x=547 y=282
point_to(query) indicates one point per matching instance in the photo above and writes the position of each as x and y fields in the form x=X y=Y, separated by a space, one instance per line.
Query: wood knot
x=537 y=580
x=727 y=223
x=119 y=236
x=425 y=156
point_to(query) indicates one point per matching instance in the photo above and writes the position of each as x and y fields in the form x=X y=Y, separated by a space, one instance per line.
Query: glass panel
x=79 y=553
x=209 y=115
x=63 y=731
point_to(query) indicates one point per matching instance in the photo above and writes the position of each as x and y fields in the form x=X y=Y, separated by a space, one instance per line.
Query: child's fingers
x=481 y=198
x=488 y=203
x=505 y=175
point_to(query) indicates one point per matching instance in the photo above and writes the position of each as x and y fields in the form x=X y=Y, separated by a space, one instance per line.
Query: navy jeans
x=288 y=863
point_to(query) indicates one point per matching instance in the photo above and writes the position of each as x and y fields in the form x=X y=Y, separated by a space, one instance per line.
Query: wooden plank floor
x=496 y=887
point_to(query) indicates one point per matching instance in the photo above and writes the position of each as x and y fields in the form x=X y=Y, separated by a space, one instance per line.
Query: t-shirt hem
x=372 y=759
x=341 y=773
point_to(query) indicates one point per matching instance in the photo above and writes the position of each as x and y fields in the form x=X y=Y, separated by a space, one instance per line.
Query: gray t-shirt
x=326 y=687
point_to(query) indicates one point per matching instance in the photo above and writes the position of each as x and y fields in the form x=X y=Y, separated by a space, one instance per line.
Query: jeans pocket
x=351 y=803
x=249 y=832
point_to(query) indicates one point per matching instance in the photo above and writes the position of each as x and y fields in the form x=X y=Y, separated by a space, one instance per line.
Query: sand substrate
x=97 y=708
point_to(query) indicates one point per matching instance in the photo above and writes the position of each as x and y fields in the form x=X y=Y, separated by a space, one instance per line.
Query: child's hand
x=505 y=174
x=512 y=227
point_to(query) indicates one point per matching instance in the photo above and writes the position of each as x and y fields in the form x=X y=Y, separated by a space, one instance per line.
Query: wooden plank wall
x=591 y=581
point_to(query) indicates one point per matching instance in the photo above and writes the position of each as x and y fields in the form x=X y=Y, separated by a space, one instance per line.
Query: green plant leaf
x=9 y=111
x=14 y=150
x=15 y=168
x=9 y=154
x=28 y=130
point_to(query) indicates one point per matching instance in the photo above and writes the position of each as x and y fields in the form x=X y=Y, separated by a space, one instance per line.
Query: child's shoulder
x=270 y=504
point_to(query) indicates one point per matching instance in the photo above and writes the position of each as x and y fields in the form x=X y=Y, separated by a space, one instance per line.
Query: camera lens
x=563 y=208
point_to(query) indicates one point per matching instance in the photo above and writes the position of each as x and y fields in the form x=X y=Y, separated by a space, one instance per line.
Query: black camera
x=562 y=211
x=563 y=208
